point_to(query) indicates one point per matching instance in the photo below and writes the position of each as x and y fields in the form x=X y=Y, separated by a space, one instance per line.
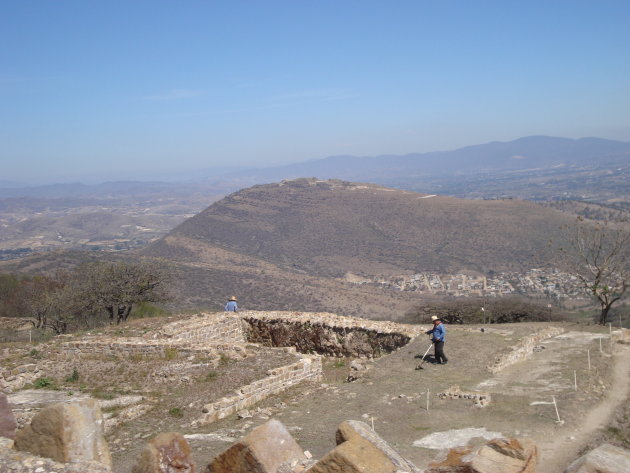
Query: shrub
x=146 y=310
x=103 y=395
x=212 y=375
x=176 y=412
x=497 y=311
x=43 y=383
x=170 y=353
x=74 y=377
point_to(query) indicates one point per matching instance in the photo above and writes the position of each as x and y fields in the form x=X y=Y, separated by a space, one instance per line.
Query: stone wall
x=327 y=334
x=309 y=368
x=523 y=349
x=204 y=328
x=16 y=378
x=207 y=335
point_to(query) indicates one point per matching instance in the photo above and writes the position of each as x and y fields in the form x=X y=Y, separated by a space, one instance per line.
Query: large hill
x=290 y=244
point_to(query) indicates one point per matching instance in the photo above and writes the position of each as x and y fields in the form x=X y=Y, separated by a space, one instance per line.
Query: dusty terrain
x=392 y=395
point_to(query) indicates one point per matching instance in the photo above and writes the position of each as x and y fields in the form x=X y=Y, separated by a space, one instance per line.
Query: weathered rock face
x=166 y=453
x=21 y=462
x=264 y=450
x=604 y=459
x=496 y=456
x=7 y=419
x=351 y=430
x=66 y=433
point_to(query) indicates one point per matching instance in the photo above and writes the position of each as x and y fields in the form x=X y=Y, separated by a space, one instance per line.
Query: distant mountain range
x=524 y=154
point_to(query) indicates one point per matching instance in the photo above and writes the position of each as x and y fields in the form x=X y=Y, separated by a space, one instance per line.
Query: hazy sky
x=112 y=88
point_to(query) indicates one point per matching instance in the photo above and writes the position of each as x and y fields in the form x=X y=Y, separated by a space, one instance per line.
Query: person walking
x=438 y=336
x=231 y=305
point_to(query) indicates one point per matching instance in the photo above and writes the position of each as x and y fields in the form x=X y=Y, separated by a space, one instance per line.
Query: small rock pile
x=479 y=399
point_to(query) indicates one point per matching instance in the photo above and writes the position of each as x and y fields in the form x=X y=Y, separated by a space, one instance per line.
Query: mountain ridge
x=297 y=240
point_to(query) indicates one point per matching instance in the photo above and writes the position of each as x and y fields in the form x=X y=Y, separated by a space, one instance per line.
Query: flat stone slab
x=455 y=438
x=604 y=459
x=38 y=398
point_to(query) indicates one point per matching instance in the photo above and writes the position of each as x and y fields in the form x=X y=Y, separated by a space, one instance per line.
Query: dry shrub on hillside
x=479 y=311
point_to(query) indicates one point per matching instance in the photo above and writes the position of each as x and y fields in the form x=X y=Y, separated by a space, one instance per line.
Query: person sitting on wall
x=438 y=335
x=231 y=305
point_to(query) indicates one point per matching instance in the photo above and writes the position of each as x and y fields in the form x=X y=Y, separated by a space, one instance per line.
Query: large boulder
x=7 y=419
x=70 y=432
x=166 y=453
x=353 y=429
x=355 y=456
x=604 y=459
x=265 y=449
x=496 y=456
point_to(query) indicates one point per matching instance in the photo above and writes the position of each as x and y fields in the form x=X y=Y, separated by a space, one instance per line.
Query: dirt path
x=556 y=454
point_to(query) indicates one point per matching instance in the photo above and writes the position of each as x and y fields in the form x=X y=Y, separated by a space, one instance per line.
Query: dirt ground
x=393 y=396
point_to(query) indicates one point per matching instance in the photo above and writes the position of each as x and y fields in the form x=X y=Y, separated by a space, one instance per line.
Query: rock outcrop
x=22 y=462
x=66 y=433
x=604 y=459
x=166 y=453
x=352 y=429
x=7 y=419
x=496 y=456
x=266 y=449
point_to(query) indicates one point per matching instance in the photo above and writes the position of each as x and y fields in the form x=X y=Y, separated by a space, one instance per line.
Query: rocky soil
x=392 y=396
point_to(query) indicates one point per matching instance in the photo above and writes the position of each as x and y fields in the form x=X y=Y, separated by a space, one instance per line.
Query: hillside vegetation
x=328 y=228
x=289 y=245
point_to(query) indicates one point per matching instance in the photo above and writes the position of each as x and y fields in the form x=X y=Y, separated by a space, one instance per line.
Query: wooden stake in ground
x=555 y=404
x=575 y=379
x=427 y=400
x=600 y=345
x=588 y=353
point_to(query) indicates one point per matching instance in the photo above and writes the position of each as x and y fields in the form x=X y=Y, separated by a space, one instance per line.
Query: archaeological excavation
x=211 y=384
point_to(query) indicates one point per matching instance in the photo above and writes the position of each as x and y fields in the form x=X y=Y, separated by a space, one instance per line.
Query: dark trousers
x=439 y=352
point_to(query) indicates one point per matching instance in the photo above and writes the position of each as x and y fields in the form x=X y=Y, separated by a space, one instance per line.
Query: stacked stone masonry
x=327 y=334
x=308 y=368
x=524 y=348
x=204 y=328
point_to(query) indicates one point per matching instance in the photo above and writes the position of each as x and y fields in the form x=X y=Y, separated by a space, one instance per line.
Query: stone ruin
x=308 y=336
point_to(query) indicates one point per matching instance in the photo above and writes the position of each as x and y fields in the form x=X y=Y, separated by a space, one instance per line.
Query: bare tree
x=598 y=254
x=38 y=300
x=117 y=287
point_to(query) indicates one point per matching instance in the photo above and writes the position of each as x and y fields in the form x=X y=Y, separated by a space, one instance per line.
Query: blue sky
x=99 y=90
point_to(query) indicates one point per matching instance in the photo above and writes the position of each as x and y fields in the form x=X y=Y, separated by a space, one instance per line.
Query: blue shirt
x=231 y=306
x=439 y=333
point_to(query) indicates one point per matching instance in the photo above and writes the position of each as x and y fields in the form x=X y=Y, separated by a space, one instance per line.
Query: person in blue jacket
x=438 y=336
x=231 y=305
